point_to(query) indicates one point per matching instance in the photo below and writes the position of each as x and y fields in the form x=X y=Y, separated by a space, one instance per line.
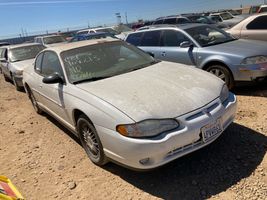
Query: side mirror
x=3 y=60
x=186 y=44
x=52 y=79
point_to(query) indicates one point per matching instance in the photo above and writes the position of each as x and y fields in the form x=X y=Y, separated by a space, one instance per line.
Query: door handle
x=163 y=54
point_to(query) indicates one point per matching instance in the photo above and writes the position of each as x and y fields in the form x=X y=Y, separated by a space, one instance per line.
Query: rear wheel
x=223 y=73
x=34 y=103
x=90 y=141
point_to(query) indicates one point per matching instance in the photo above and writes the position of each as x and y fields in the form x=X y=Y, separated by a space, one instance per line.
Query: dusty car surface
x=205 y=47
x=50 y=40
x=15 y=58
x=253 y=27
x=104 y=92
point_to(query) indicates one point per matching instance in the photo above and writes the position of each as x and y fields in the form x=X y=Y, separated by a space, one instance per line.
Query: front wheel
x=34 y=103
x=90 y=141
x=222 y=73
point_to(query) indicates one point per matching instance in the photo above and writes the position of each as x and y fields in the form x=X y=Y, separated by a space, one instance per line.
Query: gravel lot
x=46 y=162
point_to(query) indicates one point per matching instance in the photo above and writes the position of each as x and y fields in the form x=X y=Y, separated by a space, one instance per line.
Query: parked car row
x=122 y=103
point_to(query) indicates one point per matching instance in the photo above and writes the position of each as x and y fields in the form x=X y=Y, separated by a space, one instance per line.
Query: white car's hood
x=21 y=65
x=164 y=90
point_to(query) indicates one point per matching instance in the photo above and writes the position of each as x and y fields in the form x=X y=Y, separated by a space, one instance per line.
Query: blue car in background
x=90 y=36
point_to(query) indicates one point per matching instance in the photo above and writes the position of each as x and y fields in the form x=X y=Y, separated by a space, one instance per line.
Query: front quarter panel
x=206 y=57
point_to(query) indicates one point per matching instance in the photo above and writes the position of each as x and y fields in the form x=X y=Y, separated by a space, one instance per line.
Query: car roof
x=68 y=46
x=163 y=26
x=90 y=34
x=22 y=45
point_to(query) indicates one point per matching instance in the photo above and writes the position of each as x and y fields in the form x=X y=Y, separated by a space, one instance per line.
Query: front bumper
x=18 y=79
x=251 y=72
x=169 y=146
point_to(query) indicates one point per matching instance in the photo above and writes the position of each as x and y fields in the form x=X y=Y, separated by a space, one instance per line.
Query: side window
x=38 y=62
x=259 y=23
x=134 y=39
x=173 y=38
x=170 y=21
x=2 y=53
x=92 y=31
x=182 y=21
x=159 y=21
x=151 y=39
x=51 y=64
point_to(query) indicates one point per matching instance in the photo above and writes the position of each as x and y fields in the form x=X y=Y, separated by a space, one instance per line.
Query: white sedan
x=125 y=106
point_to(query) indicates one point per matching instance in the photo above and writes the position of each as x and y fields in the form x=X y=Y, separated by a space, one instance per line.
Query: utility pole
x=126 y=18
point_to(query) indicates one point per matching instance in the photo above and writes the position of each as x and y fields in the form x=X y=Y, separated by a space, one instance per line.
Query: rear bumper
x=251 y=72
x=155 y=152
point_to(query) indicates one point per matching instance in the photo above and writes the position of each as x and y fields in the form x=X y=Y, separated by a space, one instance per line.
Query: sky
x=19 y=16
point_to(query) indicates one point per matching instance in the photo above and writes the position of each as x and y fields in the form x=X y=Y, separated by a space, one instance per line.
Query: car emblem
x=207 y=112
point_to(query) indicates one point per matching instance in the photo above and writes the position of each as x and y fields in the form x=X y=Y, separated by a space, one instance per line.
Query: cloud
x=15 y=3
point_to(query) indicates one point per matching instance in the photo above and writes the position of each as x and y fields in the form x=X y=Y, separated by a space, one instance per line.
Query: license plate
x=211 y=130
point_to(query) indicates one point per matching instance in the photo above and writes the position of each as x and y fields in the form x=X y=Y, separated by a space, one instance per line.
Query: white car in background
x=127 y=107
x=119 y=31
x=50 y=40
x=15 y=58
x=227 y=19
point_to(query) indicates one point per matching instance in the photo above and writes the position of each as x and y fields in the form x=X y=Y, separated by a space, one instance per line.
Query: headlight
x=254 y=60
x=19 y=72
x=224 y=93
x=147 y=128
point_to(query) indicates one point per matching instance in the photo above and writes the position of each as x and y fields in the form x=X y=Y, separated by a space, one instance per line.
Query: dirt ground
x=45 y=162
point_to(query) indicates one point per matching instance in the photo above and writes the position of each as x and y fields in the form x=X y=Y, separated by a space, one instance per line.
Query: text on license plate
x=211 y=130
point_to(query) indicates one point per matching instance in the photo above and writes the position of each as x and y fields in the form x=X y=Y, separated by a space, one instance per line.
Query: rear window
x=259 y=23
x=264 y=9
x=134 y=39
x=151 y=38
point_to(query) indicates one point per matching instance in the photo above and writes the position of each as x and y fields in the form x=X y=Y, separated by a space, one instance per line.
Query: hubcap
x=90 y=140
x=219 y=73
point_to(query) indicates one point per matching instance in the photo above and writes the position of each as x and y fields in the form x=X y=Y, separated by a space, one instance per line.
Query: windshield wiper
x=90 y=79
x=16 y=60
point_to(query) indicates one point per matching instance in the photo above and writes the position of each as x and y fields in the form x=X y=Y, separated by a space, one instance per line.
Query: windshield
x=103 y=60
x=25 y=53
x=108 y=30
x=208 y=35
x=54 y=39
x=226 y=16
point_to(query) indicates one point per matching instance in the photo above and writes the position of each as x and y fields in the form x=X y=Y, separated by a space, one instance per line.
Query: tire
x=34 y=103
x=18 y=88
x=90 y=141
x=6 y=78
x=223 y=73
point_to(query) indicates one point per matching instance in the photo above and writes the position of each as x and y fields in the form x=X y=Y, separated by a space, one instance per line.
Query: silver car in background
x=50 y=40
x=253 y=28
x=205 y=47
x=104 y=92
x=15 y=58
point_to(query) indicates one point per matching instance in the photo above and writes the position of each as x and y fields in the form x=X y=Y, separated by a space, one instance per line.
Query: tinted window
x=258 y=23
x=51 y=64
x=173 y=38
x=170 y=21
x=38 y=62
x=151 y=38
x=159 y=21
x=182 y=21
x=134 y=39
x=264 y=9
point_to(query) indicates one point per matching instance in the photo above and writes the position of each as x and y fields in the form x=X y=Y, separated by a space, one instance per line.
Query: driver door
x=51 y=96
